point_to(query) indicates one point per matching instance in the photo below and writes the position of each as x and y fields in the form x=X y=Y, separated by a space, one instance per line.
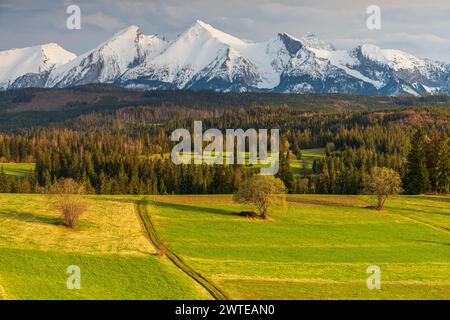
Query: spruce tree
x=443 y=166
x=417 y=180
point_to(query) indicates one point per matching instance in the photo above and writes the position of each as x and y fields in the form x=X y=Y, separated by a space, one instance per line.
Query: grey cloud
x=417 y=26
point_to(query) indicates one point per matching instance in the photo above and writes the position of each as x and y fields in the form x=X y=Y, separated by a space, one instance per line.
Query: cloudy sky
x=417 y=26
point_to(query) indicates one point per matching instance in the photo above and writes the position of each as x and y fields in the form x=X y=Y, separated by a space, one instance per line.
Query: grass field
x=109 y=246
x=17 y=169
x=305 y=164
x=319 y=248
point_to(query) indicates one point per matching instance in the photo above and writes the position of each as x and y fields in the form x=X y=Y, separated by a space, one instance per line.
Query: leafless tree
x=67 y=199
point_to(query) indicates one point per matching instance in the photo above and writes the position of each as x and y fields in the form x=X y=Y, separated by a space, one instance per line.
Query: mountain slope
x=204 y=57
x=109 y=60
x=200 y=47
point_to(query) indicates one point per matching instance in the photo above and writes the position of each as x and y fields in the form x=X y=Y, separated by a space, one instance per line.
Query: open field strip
x=304 y=166
x=17 y=169
x=109 y=246
x=320 y=248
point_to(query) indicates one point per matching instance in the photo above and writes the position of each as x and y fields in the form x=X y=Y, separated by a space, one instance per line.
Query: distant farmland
x=17 y=169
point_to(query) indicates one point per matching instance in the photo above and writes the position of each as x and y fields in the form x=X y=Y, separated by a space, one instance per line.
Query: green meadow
x=318 y=247
x=315 y=247
x=115 y=258
x=304 y=166
x=17 y=169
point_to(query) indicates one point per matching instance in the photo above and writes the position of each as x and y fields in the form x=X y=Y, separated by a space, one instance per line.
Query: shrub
x=67 y=199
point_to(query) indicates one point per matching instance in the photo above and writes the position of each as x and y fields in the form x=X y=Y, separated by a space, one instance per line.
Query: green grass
x=109 y=246
x=319 y=248
x=304 y=165
x=35 y=274
x=420 y=207
x=17 y=169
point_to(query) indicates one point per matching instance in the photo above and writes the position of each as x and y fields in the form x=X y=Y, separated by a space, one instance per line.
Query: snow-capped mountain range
x=205 y=58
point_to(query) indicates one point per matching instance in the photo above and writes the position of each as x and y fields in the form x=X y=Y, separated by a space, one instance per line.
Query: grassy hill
x=318 y=248
x=109 y=246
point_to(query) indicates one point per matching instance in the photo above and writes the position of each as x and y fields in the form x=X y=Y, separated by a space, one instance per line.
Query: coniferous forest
x=118 y=141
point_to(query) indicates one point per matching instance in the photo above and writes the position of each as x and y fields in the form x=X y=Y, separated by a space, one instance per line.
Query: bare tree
x=261 y=192
x=382 y=183
x=67 y=199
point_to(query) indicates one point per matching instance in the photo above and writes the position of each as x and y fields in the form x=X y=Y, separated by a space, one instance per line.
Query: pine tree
x=284 y=171
x=433 y=154
x=443 y=166
x=417 y=180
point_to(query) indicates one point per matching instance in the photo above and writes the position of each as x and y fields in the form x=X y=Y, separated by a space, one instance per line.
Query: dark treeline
x=126 y=151
x=26 y=108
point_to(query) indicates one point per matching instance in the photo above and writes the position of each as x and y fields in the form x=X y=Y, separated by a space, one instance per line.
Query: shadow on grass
x=112 y=199
x=434 y=242
x=324 y=202
x=415 y=210
x=444 y=199
x=28 y=217
x=190 y=208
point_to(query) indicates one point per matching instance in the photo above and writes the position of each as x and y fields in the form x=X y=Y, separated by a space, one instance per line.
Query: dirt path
x=215 y=292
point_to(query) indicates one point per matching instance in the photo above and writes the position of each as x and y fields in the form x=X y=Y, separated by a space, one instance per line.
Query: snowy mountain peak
x=292 y=44
x=203 y=24
x=396 y=59
x=130 y=31
x=373 y=53
x=203 y=57
x=200 y=28
x=122 y=38
x=312 y=41
x=15 y=63
x=126 y=49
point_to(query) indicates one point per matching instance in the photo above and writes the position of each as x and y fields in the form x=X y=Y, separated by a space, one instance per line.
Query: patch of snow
x=431 y=90
x=310 y=40
x=396 y=59
x=344 y=61
x=410 y=90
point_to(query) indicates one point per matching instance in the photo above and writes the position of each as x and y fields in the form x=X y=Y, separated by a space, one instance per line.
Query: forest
x=120 y=143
